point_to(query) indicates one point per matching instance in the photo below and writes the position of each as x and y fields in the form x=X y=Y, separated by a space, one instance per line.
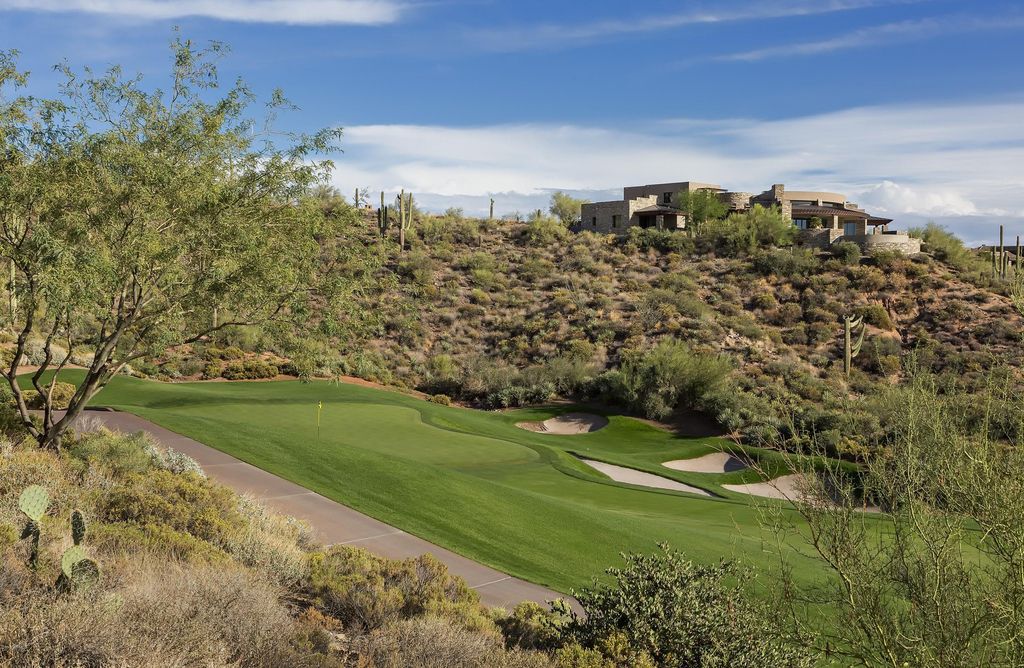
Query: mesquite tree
x=131 y=215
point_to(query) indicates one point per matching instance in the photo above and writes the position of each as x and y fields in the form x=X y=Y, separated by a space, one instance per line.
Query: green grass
x=468 y=480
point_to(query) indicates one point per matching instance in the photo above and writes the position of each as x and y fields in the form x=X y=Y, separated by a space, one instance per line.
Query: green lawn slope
x=468 y=480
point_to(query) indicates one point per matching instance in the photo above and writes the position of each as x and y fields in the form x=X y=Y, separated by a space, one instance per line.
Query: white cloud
x=921 y=160
x=889 y=33
x=302 y=12
x=518 y=38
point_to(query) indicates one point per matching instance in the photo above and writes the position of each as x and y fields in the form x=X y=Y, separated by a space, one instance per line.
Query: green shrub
x=786 y=263
x=365 y=591
x=680 y=614
x=875 y=314
x=944 y=245
x=60 y=396
x=442 y=399
x=657 y=381
x=746 y=232
x=544 y=230
x=846 y=252
x=666 y=241
x=250 y=369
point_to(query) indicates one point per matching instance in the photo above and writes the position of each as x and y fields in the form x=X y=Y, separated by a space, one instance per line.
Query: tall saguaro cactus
x=490 y=216
x=382 y=218
x=1002 y=255
x=851 y=349
x=404 y=217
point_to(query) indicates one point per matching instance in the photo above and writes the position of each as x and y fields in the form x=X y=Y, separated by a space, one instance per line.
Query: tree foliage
x=135 y=219
x=566 y=208
x=745 y=232
x=935 y=580
x=701 y=206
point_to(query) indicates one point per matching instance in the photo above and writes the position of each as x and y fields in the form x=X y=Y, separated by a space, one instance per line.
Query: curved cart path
x=333 y=523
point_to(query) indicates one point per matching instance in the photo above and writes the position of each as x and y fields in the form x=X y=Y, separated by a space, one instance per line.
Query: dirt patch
x=715 y=462
x=634 y=477
x=567 y=425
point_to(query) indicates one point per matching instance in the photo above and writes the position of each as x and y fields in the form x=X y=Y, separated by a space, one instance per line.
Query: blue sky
x=914 y=109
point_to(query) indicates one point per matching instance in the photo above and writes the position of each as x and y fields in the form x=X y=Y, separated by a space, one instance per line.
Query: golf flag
x=319 y=407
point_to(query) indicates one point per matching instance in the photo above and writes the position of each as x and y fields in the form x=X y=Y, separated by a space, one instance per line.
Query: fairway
x=468 y=480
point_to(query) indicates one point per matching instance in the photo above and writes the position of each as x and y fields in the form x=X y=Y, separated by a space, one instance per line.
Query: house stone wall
x=603 y=212
x=900 y=242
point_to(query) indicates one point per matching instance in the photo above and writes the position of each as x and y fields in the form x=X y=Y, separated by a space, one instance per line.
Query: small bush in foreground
x=668 y=611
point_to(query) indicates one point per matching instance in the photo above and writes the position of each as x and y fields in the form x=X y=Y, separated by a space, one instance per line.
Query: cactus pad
x=33 y=502
x=72 y=556
x=78 y=526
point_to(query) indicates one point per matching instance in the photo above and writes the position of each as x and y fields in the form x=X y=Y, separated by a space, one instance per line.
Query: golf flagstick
x=319 y=407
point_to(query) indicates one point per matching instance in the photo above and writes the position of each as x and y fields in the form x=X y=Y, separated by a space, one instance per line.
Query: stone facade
x=841 y=220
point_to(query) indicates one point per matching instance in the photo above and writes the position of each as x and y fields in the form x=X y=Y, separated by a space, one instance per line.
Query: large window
x=666 y=198
x=849 y=229
x=801 y=223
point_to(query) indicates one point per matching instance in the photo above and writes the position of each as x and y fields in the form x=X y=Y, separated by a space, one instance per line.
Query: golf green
x=468 y=480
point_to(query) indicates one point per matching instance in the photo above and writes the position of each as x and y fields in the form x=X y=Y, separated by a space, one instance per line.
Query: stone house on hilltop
x=840 y=220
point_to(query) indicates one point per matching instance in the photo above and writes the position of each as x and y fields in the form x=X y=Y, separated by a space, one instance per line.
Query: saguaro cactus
x=382 y=217
x=850 y=348
x=404 y=217
x=33 y=503
x=490 y=216
x=1002 y=255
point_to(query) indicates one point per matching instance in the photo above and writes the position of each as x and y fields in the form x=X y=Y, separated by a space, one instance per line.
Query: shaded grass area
x=468 y=480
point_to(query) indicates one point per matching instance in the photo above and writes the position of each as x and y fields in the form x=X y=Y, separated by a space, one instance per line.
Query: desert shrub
x=785 y=263
x=532 y=626
x=846 y=252
x=437 y=643
x=943 y=244
x=666 y=241
x=190 y=504
x=369 y=365
x=543 y=231
x=744 y=233
x=875 y=314
x=60 y=396
x=788 y=314
x=174 y=616
x=657 y=381
x=441 y=399
x=417 y=267
x=680 y=614
x=250 y=369
x=764 y=301
x=121 y=453
x=367 y=592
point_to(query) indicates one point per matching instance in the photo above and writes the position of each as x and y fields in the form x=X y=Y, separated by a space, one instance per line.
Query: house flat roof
x=811 y=211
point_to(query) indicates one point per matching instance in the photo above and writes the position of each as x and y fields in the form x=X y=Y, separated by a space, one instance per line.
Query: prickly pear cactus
x=78 y=526
x=33 y=502
x=72 y=556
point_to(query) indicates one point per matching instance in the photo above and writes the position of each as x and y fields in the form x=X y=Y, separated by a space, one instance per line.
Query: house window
x=849 y=229
x=593 y=221
x=666 y=198
x=801 y=223
x=615 y=220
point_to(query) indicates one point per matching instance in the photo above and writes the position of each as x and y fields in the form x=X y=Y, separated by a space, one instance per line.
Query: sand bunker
x=784 y=487
x=715 y=462
x=568 y=424
x=634 y=477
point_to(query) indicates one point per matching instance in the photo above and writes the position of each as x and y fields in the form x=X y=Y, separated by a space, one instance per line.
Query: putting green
x=468 y=480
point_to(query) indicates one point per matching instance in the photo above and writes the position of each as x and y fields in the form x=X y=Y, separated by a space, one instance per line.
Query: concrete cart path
x=333 y=523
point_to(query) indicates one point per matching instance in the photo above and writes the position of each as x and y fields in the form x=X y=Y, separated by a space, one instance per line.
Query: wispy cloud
x=889 y=33
x=548 y=35
x=914 y=160
x=299 y=12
